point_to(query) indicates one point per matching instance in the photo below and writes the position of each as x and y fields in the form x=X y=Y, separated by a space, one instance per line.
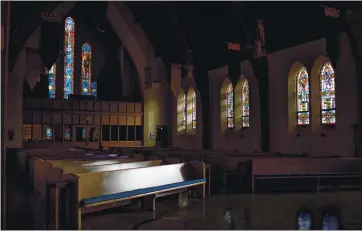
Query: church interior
x=181 y=115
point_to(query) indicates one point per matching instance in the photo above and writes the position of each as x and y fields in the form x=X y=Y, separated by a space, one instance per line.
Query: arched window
x=52 y=81
x=193 y=108
x=181 y=112
x=302 y=97
x=245 y=104
x=69 y=57
x=86 y=69
x=328 y=94
x=230 y=106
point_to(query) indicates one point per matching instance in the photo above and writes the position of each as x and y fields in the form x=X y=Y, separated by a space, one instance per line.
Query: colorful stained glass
x=304 y=221
x=230 y=106
x=94 y=89
x=86 y=69
x=52 y=81
x=48 y=133
x=69 y=57
x=193 y=110
x=328 y=94
x=67 y=134
x=184 y=112
x=302 y=97
x=245 y=104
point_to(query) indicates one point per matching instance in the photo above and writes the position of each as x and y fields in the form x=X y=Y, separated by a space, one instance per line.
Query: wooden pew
x=47 y=172
x=319 y=169
x=96 y=189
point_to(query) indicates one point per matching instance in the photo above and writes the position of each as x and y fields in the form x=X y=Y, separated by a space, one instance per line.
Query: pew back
x=280 y=166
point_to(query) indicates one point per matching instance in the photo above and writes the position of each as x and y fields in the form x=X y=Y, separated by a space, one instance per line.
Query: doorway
x=162 y=136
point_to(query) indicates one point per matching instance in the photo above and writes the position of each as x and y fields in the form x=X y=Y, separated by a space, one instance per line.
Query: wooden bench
x=93 y=190
x=320 y=170
x=46 y=172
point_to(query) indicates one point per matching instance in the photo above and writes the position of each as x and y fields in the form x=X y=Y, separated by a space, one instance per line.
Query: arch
x=181 y=112
x=227 y=105
x=242 y=103
x=191 y=110
x=69 y=37
x=86 y=75
x=52 y=81
x=328 y=94
x=303 y=97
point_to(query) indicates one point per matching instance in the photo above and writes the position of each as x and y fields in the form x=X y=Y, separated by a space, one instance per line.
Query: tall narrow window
x=183 y=122
x=230 y=106
x=193 y=110
x=86 y=69
x=69 y=57
x=245 y=104
x=328 y=94
x=303 y=97
x=51 y=79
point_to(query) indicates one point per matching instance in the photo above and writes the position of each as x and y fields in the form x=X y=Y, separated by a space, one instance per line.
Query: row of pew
x=74 y=182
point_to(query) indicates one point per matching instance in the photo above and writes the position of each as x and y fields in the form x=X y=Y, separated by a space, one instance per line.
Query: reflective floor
x=272 y=211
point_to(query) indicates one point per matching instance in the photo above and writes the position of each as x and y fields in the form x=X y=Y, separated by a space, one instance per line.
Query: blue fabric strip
x=93 y=200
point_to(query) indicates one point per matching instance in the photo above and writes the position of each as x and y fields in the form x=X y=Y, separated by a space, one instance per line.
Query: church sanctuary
x=181 y=115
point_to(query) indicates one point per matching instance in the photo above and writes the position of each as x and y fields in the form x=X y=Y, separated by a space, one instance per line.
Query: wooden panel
x=37 y=104
x=105 y=119
x=57 y=104
x=75 y=119
x=57 y=118
x=47 y=118
x=82 y=119
x=90 y=105
x=138 y=108
x=105 y=106
x=75 y=105
x=130 y=120
x=67 y=104
x=130 y=107
x=138 y=120
x=67 y=119
x=97 y=106
x=97 y=119
x=113 y=120
x=122 y=107
x=113 y=106
x=28 y=103
x=90 y=119
x=83 y=105
x=122 y=120
x=47 y=104
x=27 y=117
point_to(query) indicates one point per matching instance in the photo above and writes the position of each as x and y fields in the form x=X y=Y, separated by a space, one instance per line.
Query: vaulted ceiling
x=203 y=27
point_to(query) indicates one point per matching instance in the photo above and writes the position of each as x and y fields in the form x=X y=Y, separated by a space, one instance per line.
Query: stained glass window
x=83 y=134
x=302 y=97
x=230 y=106
x=245 y=104
x=86 y=69
x=52 y=81
x=193 y=110
x=328 y=94
x=48 y=133
x=69 y=57
x=330 y=222
x=304 y=221
x=183 y=122
x=94 y=89
x=67 y=134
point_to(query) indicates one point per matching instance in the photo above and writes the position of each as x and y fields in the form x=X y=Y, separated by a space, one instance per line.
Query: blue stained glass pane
x=86 y=69
x=94 y=89
x=83 y=133
x=304 y=221
x=69 y=57
x=52 y=82
x=330 y=223
x=67 y=134
x=48 y=133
